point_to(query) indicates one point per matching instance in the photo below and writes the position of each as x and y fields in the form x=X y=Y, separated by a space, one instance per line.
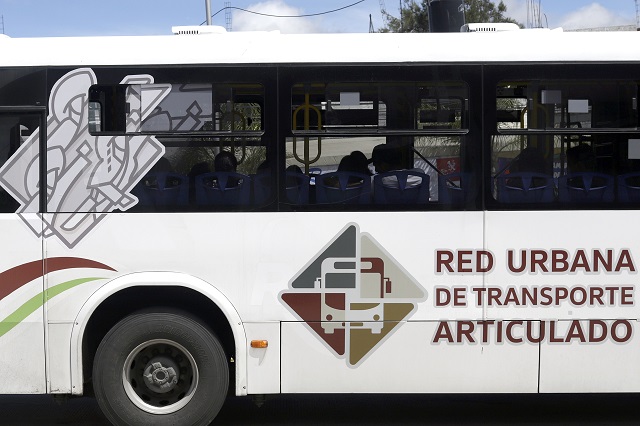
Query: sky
x=53 y=18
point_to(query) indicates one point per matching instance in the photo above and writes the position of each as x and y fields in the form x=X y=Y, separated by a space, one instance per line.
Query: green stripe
x=36 y=302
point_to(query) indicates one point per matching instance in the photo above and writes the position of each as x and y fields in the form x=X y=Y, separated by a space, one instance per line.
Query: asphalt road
x=347 y=410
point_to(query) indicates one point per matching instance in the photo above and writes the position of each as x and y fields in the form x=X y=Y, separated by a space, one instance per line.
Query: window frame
x=494 y=74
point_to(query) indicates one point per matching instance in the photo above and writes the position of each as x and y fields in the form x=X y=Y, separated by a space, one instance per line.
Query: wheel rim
x=160 y=376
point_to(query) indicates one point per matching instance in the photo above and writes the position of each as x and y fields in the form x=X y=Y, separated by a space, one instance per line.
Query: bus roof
x=525 y=46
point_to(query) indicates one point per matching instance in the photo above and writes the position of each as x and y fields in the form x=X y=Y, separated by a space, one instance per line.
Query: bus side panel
x=22 y=355
x=344 y=337
x=263 y=363
x=409 y=362
x=583 y=266
x=70 y=289
x=59 y=372
x=602 y=367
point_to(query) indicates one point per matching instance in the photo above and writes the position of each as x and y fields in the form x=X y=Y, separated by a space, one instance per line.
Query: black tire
x=160 y=368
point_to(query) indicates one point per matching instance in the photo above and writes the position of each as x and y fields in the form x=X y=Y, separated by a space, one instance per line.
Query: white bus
x=186 y=217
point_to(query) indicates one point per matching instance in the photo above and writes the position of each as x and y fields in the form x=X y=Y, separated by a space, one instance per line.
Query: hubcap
x=160 y=376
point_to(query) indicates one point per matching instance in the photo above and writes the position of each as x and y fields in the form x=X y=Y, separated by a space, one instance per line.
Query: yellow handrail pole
x=307 y=107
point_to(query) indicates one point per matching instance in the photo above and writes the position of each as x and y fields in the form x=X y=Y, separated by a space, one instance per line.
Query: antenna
x=371 y=30
x=227 y=15
x=207 y=5
x=534 y=17
x=2 y=19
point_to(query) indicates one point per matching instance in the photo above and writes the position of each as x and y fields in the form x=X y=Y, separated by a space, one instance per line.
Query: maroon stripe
x=14 y=278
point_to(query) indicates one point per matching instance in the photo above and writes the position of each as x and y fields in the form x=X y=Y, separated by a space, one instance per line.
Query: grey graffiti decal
x=188 y=108
x=87 y=176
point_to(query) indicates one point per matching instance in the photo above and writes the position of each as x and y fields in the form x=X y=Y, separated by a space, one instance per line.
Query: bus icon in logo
x=353 y=295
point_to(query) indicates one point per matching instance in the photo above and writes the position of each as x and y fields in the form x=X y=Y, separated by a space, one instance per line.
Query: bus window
x=25 y=86
x=207 y=174
x=15 y=131
x=368 y=145
x=176 y=108
x=195 y=127
x=107 y=108
x=563 y=141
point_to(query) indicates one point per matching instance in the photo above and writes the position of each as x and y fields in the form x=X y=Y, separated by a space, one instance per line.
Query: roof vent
x=195 y=30
x=489 y=27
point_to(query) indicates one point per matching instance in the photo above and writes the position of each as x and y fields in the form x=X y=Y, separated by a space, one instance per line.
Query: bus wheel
x=158 y=369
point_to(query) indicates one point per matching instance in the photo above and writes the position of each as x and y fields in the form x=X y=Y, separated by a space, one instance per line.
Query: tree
x=486 y=11
x=415 y=17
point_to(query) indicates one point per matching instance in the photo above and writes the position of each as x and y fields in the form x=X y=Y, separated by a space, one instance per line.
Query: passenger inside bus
x=382 y=158
x=580 y=158
x=527 y=179
x=163 y=165
x=387 y=159
x=530 y=160
x=360 y=163
x=196 y=170
x=354 y=164
x=226 y=162
x=224 y=187
x=291 y=172
x=394 y=183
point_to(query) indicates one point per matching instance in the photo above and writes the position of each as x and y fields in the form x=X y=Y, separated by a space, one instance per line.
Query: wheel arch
x=138 y=291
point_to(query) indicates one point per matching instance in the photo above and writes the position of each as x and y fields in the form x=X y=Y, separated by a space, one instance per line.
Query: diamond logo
x=353 y=295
